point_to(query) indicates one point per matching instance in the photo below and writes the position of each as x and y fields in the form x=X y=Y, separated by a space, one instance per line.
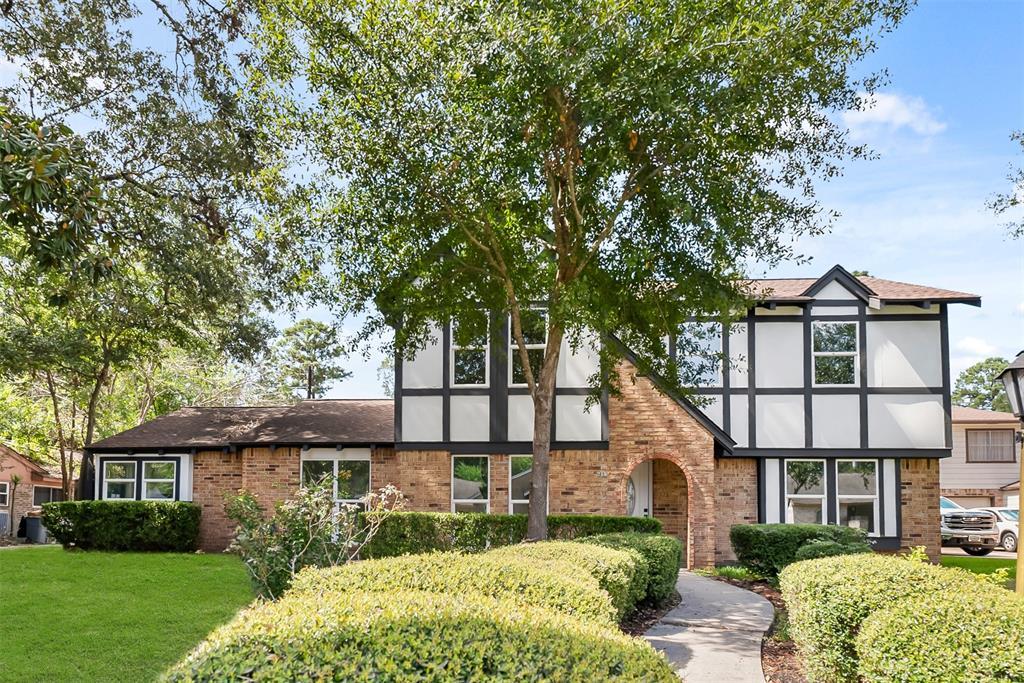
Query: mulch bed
x=647 y=616
x=779 y=658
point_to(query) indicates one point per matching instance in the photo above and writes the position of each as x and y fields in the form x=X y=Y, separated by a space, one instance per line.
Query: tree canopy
x=979 y=387
x=306 y=359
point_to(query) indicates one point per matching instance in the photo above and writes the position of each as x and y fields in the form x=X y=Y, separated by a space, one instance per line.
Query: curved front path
x=714 y=635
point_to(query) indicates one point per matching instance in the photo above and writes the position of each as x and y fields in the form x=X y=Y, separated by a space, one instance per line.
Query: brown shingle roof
x=978 y=416
x=891 y=291
x=192 y=427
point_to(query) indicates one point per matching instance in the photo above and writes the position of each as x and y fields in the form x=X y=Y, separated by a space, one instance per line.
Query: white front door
x=638 y=491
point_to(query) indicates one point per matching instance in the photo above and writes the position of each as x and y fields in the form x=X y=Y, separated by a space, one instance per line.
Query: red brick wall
x=736 y=480
x=215 y=475
x=919 y=500
x=669 y=504
x=424 y=477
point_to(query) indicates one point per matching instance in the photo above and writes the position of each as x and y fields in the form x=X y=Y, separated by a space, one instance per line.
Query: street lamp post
x=1013 y=381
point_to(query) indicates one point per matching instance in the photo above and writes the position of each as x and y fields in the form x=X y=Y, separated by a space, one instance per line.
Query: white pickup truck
x=975 y=531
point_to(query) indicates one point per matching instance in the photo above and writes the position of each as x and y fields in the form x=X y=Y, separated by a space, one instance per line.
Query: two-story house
x=834 y=408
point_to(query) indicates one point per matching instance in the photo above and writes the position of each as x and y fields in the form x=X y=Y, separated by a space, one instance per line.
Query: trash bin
x=35 y=532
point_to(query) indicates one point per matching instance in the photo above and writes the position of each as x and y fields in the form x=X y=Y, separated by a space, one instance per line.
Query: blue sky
x=941 y=127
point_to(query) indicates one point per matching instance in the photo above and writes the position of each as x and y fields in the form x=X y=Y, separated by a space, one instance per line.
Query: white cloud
x=890 y=112
x=976 y=347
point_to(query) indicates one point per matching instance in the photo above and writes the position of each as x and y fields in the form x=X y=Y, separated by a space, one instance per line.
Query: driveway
x=995 y=554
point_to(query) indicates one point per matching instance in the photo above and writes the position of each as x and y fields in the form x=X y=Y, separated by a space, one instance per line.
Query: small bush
x=408 y=533
x=768 y=548
x=123 y=525
x=945 y=638
x=407 y=636
x=818 y=549
x=557 y=585
x=621 y=574
x=828 y=600
x=662 y=556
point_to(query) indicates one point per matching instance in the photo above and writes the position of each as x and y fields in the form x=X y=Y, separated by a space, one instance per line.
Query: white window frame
x=451 y=483
x=486 y=348
x=852 y=498
x=134 y=480
x=855 y=354
x=172 y=481
x=823 y=496
x=42 y=486
x=336 y=456
x=547 y=503
x=5 y=493
x=513 y=347
x=718 y=382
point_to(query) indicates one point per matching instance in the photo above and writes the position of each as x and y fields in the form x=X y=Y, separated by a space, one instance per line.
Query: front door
x=638 y=491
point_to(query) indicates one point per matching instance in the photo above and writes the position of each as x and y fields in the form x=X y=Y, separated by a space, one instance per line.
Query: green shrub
x=828 y=600
x=407 y=636
x=560 y=586
x=768 y=548
x=408 y=533
x=123 y=524
x=621 y=574
x=662 y=556
x=945 y=638
x=818 y=549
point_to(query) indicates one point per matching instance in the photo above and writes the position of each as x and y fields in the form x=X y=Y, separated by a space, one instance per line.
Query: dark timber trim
x=751 y=381
x=138 y=460
x=505 y=448
x=947 y=401
x=862 y=344
x=842 y=453
x=762 y=491
x=808 y=379
x=831 y=492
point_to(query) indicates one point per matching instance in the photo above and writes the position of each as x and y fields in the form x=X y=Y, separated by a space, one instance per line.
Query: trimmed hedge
x=818 y=549
x=829 y=599
x=123 y=525
x=409 y=533
x=945 y=638
x=621 y=574
x=662 y=556
x=560 y=586
x=768 y=548
x=407 y=636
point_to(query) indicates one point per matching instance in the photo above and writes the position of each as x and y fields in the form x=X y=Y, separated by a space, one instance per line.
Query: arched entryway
x=657 y=487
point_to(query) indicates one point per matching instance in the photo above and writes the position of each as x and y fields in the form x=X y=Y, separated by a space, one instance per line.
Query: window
x=990 y=445
x=805 y=491
x=835 y=353
x=347 y=471
x=699 y=352
x=519 y=476
x=4 y=494
x=119 y=480
x=470 y=483
x=46 y=494
x=158 y=480
x=857 y=489
x=469 y=352
x=535 y=334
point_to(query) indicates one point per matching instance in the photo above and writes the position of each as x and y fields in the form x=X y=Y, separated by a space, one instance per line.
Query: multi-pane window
x=469 y=351
x=805 y=491
x=535 y=335
x=520 y=474
x=4 y=494
x=835 y=353
x=158 y=480
x=119 y=480
x=857 y=494
x=46 y=494
x=346 y=473
x=990 y=445
x=470 y=483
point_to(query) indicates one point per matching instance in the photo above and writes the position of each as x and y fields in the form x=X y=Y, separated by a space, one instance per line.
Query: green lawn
x=981 y=565
x=92 y=616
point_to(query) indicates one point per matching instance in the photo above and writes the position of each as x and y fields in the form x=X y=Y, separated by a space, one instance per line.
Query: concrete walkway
x=714 y=635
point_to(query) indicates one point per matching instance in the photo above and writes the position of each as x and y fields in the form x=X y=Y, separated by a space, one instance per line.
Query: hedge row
x=768 y=548
x=123 y=525
x=662 y=557
x=830 y=600
x=410 y=533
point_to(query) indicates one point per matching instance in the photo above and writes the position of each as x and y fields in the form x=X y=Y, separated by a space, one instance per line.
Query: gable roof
x=797 y=290
x=964 y=415
x=191 y=427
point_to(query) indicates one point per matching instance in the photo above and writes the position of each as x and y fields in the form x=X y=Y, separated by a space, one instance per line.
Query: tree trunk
x=90 y=418
x=543 y=408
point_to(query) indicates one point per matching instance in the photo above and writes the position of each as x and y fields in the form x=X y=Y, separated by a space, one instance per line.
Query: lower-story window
x=857 y=494
x=158 y=480
x=4 y=494
x=46 y=494
x=805 y=491
x=119 y=480
x=520 y=474
x=347 y=471
x=470 y=483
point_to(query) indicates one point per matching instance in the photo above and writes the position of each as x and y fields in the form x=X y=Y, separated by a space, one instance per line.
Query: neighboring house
x=834 y=408
x=36 y=486
x=983 y=470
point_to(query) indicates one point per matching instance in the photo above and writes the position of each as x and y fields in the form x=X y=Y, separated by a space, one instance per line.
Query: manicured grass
x=92 y=616
x=982 y=565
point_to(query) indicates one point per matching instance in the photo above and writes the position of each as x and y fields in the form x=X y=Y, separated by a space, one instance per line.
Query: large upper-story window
x=347 y=472
x=535 y=334
x=805 y=491
x=857 y=493
x=835 y=353
x=469 y=351
x=990 y=445
x=470 y=483
x=699 y=350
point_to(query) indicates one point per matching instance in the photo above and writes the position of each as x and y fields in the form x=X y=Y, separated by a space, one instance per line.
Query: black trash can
x=35 y=532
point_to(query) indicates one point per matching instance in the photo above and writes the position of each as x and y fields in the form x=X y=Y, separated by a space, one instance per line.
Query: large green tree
x=618 y=163
x=306 y=359
x=979 y=387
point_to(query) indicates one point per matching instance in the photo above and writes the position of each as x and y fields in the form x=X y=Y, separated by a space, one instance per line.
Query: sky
x=941 y=129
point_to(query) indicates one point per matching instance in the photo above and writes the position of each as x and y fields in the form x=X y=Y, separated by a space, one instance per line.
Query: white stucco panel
x=836 y=421
x=904 y=353
x=778 y=355
x=712 y=407
x=772 y=485
x=520 y=418
x=739 y=421
x=780 y=421
x=891 y=499
x=834 y=290
x=738 y=353
x=425 y=369
x=574 y=422
x=906 y=421
x=421 y=418
x=471 y=418
x=576 y=367
x=185 y=485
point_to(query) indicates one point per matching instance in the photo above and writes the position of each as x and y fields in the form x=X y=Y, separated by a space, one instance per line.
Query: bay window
x=470 y=483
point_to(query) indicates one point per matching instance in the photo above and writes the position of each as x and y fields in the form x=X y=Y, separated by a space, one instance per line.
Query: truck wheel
x=976 y=550
x=1009 y=542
